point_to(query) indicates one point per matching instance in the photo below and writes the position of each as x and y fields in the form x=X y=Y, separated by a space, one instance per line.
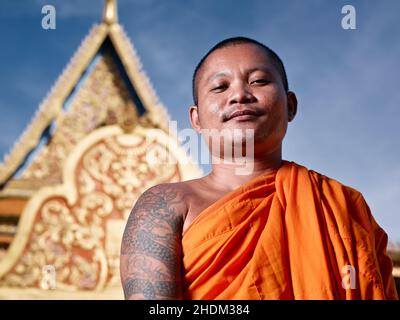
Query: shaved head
x=237 y=41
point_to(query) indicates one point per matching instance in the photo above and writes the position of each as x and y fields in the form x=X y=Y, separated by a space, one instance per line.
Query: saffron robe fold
x=289 y=234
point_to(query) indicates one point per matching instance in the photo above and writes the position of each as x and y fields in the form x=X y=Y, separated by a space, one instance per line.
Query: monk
x=280 y=231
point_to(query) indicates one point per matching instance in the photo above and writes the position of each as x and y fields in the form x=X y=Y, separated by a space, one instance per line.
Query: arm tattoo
x=151 y=246
x=149 y=290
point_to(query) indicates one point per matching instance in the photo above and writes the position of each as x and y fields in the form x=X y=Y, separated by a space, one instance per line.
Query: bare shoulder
x=166 y=198
x=160 y=210
x=180 y=194
x=151 y=245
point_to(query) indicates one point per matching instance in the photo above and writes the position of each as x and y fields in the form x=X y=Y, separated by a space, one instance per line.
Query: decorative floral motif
x=73 y=237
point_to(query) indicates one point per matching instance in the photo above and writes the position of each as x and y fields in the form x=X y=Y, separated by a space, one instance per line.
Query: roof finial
x=110 y=14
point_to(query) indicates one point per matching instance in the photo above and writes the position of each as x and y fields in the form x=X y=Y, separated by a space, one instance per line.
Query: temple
x=98 y=140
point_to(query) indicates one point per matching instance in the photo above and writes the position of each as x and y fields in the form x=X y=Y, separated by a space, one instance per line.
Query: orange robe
x=289 y=234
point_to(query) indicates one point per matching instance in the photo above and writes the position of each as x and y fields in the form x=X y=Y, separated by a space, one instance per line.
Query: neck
x=224 y=176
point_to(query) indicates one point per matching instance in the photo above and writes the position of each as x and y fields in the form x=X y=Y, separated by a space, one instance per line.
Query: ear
x=292 y=105
x=194 y=118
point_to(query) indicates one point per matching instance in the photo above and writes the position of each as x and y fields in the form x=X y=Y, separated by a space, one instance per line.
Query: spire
x=110 y=14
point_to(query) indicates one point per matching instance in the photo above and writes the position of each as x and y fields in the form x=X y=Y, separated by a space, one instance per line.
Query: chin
x=243 y=125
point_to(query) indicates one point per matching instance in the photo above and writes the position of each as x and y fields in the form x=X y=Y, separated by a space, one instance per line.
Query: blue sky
x=346 y=81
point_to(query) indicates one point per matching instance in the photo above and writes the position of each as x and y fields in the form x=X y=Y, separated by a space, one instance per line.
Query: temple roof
x=108 y=42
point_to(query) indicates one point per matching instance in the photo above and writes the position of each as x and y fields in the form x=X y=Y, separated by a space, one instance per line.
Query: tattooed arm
x=151 y=252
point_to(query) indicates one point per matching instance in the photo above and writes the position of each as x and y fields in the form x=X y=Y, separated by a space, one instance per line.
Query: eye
x=259 y=81
x=219 y=88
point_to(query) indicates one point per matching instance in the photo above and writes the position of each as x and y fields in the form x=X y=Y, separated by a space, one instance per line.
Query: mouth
x=243 y=115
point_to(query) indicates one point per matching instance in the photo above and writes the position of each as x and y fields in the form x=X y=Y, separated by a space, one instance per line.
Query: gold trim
x=110 y=14
x=17 y=193
x=51 y=107
x=158 y=114
x=68 y=190
x=109 y=293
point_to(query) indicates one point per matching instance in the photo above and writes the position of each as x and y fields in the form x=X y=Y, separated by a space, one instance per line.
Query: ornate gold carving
x=66 y=226
x=52 y=104
x=157 y=115
x=51 y=107
x=7 y=228
x=97 y=164
x=110 y=14
x=102 y=100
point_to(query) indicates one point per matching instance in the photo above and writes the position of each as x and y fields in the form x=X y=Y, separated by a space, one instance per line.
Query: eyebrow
x=214 y=76
x=224 y=74
x=261 y=68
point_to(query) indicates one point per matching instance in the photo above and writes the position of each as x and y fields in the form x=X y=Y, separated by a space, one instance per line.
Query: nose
x=241 y=95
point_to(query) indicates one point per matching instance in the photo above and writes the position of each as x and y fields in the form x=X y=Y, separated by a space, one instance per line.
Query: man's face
x=239 y=87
